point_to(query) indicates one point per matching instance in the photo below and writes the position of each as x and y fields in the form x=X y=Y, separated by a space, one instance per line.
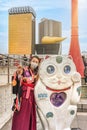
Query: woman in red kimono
x=25 y=117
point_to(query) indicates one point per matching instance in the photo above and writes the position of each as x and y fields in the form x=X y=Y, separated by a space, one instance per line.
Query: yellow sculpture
x=51 y=40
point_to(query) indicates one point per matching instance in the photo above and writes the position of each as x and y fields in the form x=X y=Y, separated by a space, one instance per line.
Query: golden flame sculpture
x=51 y=40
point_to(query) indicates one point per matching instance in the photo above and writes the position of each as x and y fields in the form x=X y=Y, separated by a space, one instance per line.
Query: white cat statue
x=57 y=92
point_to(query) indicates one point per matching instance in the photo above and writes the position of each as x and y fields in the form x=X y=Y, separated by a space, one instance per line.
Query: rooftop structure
x=22 y=10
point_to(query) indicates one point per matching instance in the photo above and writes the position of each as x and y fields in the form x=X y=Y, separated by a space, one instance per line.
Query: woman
x=25 y=118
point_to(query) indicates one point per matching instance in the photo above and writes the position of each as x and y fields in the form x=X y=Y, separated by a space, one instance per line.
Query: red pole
x=74 y=45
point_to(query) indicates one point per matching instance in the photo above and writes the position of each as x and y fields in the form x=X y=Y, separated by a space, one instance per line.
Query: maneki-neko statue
x=57 y=92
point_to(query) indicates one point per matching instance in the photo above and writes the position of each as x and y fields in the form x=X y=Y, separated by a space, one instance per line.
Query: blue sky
x=59 y=10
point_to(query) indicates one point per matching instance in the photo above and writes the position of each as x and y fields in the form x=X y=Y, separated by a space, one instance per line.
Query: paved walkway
x=7 y=125
x=79 y=123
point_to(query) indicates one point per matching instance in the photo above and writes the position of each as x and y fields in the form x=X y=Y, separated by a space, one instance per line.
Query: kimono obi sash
x=27 y=87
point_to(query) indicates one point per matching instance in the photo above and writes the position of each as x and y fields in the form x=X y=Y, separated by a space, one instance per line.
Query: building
x=21 y=30
x=49 y=27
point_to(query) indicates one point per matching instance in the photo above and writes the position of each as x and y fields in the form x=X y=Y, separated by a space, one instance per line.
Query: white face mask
x=34 y=65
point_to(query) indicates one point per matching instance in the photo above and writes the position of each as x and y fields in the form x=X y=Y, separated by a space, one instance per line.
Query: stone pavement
x=79 y=123
x=7 y=126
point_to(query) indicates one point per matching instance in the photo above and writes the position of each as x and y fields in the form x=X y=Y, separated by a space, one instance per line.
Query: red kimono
x=25 y=119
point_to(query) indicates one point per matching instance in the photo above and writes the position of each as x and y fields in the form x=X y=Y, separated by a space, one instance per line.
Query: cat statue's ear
x=46 y=57
x=70 y=57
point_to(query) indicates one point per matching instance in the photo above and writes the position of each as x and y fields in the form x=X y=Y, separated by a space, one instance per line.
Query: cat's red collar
x=59 y=90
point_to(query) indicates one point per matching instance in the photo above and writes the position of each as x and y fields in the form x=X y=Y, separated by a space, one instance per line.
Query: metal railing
x=9 y=63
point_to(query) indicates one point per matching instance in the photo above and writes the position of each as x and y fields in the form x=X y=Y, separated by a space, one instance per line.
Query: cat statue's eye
x=50 y=69
x=67 y=69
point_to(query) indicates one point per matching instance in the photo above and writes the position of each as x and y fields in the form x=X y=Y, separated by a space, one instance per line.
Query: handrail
x=8 y=58
x=4 y=85
x=10 y=62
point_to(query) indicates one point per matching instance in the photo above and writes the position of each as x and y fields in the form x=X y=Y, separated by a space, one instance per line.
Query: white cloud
x=3 y=42
x=82 y=4
x=83 y=34
x=66 y=33
x=36 y=4
x=4 y=6
x=41 y=5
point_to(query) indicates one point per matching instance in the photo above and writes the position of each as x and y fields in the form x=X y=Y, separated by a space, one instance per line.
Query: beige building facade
x=49 y=27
